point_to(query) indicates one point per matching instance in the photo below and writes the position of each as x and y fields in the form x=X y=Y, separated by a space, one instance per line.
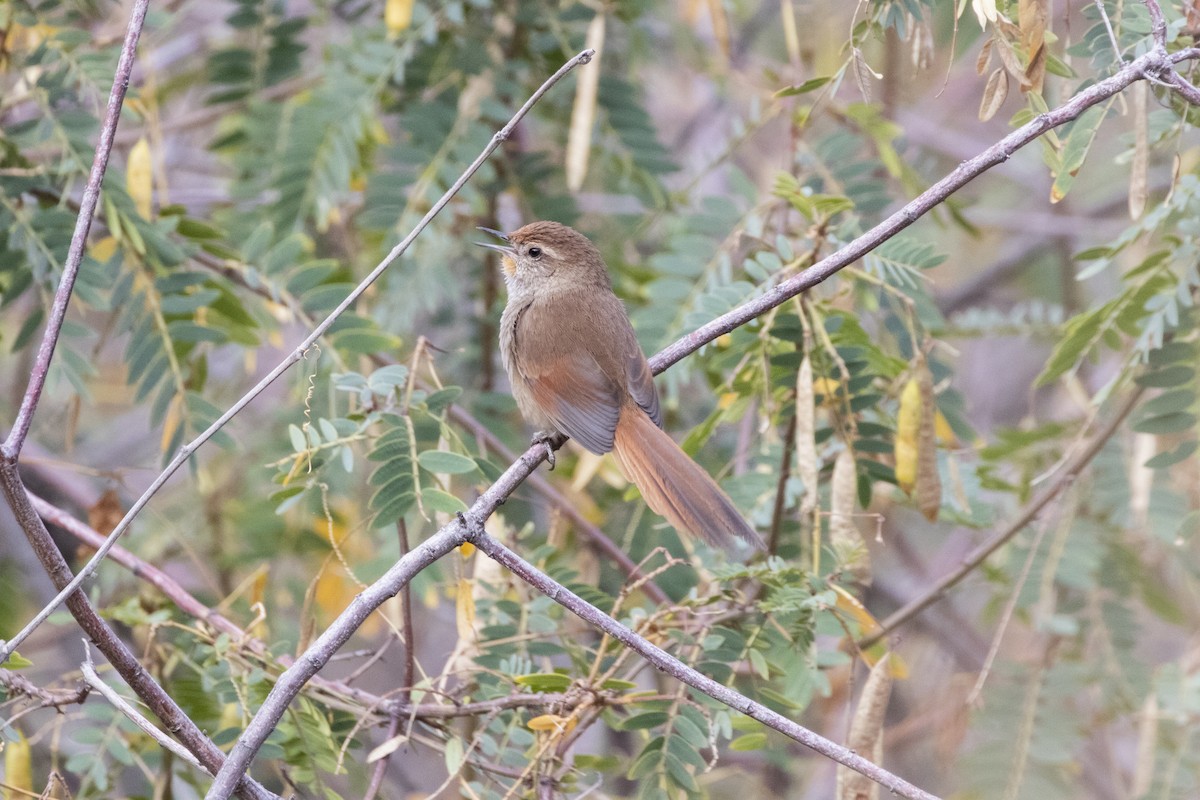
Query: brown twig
x=16 y=684
x=1027 y=514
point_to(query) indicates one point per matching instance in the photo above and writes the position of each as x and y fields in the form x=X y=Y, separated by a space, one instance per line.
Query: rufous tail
x=675 y=486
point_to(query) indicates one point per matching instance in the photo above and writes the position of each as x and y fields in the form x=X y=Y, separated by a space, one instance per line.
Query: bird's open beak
x=506 y=249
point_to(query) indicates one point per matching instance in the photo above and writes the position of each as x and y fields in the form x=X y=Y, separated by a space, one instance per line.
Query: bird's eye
x=535 y=252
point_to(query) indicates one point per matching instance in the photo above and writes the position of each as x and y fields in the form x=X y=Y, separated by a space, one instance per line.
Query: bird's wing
x=641 y=380
x=580 y=378
x=563 y=376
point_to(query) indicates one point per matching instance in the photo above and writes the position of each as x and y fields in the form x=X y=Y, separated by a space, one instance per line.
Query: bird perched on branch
x=576 y=368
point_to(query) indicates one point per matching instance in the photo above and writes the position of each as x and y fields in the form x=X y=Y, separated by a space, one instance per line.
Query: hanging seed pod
x=844 y=537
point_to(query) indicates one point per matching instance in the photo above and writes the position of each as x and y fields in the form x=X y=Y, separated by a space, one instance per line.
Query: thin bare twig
x=11 y=448
x=1149 y=64
x=1006 y=615
x=1065 y=478
x=15 y=684
x=1112 y=37
x=471 y=522
x=1158 y=25
x=89 y=674
x=185 y=452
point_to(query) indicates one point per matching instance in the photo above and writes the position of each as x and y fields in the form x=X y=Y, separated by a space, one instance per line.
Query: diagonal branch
x=1152 y=63
x=298 y=353
x=470 y=524
x=110 y=694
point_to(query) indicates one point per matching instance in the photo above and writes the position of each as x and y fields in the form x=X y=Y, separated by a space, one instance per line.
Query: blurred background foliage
x=875 y=430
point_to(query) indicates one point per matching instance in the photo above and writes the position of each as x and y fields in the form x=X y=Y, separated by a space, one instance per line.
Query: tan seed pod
x=866 y=732
x=844 y=537
x=806 y=441
x=928 y=492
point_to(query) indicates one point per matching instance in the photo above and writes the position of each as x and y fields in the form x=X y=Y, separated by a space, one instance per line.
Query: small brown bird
x=576 y=368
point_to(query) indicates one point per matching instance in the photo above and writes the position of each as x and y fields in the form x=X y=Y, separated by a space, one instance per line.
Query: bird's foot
x=546 y=440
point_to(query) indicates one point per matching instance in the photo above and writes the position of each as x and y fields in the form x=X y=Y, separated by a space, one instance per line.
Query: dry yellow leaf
x=849 y=605
x=1031 y=17
x=104 y=249
x=908 y=425
x=583 y=113
x=139 y=177
x=397 y=16
x=464 y=610
x=941 y=427
x=551 y=722
x=333 y=592
x=994 y=94
x=18 y=768
x=171 y=422
x=828 y=388
x=466 y=549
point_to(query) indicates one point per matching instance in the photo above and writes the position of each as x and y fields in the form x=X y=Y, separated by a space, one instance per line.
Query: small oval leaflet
x=443 y=462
